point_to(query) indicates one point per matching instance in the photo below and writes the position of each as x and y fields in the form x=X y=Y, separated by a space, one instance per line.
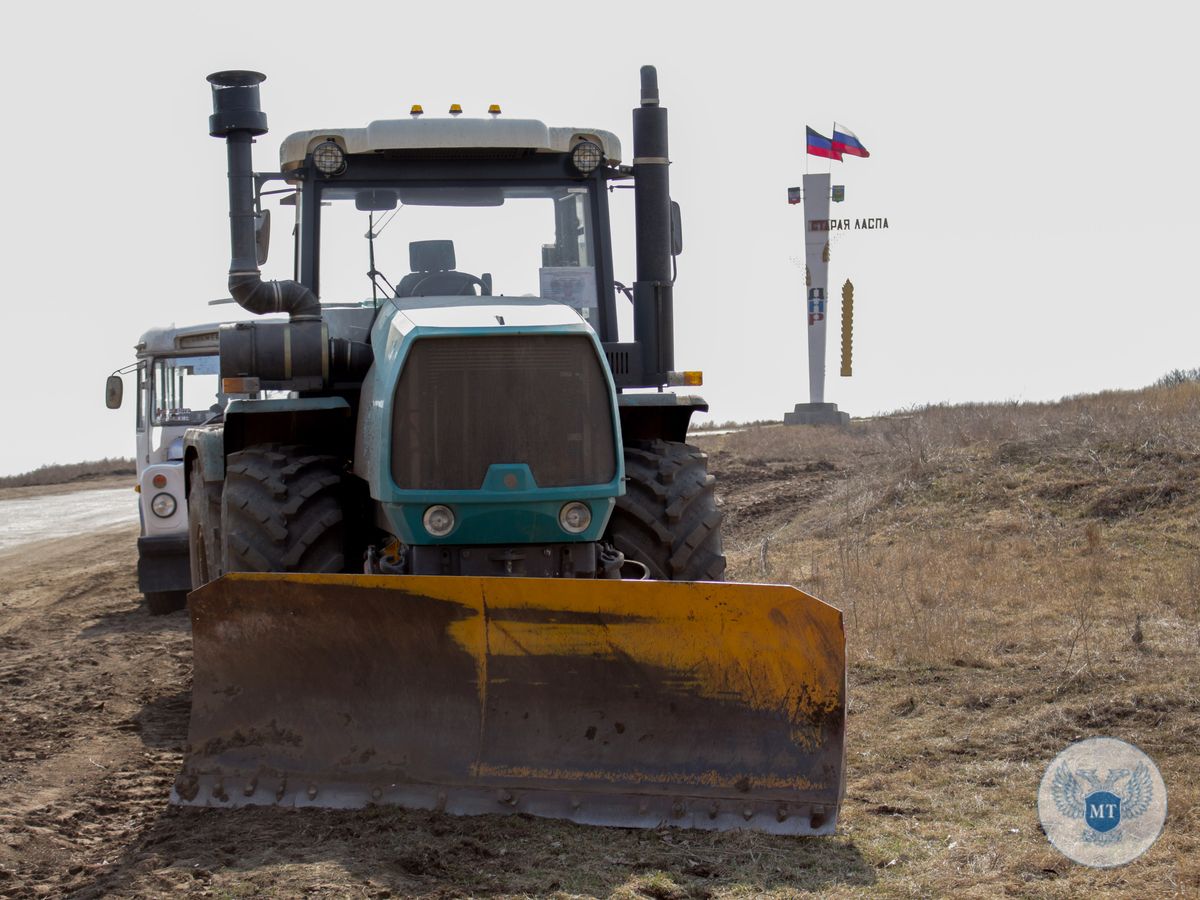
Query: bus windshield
x=184 y=390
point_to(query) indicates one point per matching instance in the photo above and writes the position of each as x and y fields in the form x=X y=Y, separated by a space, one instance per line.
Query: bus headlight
x=163 y=505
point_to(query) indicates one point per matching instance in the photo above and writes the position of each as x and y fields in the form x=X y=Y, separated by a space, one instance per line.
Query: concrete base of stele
x=816 y=414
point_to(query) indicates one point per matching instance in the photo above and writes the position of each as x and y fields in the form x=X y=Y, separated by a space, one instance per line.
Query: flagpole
x=831 y=134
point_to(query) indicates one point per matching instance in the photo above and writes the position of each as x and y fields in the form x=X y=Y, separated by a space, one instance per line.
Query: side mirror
x=262 y=234
x=676 y=230
x=114 y=390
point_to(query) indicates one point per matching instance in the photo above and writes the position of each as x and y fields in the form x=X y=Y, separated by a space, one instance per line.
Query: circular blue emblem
x=1102 y=802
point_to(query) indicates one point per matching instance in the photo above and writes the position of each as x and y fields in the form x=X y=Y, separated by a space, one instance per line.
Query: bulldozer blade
x=628 y=703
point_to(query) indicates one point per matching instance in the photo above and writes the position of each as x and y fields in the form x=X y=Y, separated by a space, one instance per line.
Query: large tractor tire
x=281 y=511
x=204 y=528
x=668 y=519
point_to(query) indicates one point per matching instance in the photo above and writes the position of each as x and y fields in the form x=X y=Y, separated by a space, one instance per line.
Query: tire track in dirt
x=93 y=707
x=761 y=496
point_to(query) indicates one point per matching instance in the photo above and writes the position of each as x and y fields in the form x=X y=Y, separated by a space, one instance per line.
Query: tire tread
x=282 y=510
x=668 y=519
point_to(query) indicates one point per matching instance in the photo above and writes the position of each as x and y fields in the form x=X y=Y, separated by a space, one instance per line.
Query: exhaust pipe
x=653 y=315
x=239 y=119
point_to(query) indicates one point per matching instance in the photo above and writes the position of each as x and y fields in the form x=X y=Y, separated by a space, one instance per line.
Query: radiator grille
x=618 y=361
x=466 y=403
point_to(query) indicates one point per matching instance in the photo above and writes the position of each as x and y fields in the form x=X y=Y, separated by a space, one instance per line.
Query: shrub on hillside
x=62 y=473
x=1177 y=377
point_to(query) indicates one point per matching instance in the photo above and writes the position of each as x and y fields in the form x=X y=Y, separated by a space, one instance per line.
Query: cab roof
x=419 y=133
x=198 y=340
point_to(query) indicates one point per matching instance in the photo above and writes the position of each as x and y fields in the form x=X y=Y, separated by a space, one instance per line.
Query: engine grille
x=463 y=404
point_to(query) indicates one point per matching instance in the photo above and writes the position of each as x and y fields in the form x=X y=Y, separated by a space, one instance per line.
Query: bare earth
x=42 y=490
x=993 y=568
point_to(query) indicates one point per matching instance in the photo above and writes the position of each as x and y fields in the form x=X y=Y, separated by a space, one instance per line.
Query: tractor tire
x=281 y=511
x=668 y=519
x=204 y=528
x=162 y=603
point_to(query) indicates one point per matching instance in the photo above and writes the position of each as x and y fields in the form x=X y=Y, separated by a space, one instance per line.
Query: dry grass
x=1014 y=577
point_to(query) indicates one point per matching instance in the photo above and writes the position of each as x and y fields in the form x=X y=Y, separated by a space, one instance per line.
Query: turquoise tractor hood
x=494 y=500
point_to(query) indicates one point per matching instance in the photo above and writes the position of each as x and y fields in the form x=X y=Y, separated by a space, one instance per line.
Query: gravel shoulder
x=83 y=484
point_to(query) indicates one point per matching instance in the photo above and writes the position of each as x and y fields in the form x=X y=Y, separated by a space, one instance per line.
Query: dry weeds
x=1015 y=577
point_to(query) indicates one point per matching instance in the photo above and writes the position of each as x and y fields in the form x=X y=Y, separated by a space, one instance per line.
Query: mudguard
x=630 y=703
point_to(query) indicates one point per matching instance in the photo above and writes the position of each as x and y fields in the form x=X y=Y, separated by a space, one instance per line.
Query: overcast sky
x=1034 y=162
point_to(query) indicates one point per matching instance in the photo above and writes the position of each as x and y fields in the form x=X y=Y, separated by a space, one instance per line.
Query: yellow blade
x=628 y=703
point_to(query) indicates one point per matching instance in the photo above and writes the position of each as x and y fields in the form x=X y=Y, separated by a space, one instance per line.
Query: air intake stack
x=238 y=118
x=653 y=316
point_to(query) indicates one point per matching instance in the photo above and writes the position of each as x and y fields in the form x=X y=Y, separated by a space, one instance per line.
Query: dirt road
x=29 y=519
x=94 y=702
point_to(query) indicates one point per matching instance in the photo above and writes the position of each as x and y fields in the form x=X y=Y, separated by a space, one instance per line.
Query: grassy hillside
x=1015 y=577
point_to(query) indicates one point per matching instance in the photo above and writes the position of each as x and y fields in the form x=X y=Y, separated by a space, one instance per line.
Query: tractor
x=449 y=547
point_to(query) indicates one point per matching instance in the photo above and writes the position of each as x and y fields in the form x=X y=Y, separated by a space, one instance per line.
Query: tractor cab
x=458 y=206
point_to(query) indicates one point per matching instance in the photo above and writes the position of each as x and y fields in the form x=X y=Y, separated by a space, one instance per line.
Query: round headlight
x=586 y=156
x=329 y=158
x=575 y=517
x=163 y=505
x=438 y=520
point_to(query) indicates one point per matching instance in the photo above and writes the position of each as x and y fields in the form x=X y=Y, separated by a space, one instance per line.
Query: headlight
x=163 y=505
x=587 y=155
x=438 y=520
x=575 y=517
x=329 y=158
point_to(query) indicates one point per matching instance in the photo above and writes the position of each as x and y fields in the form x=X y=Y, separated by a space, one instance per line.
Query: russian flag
x=844 y=141
x=819 y=145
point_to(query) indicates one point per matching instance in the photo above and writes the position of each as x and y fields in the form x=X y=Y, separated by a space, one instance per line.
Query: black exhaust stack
x=239 y=119
x=653 y=315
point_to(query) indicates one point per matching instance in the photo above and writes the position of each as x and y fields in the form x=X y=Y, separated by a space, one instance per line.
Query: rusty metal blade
x=702 y=704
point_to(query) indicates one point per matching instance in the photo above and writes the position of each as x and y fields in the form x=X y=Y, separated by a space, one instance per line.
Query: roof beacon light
x=329 y=158
x=455 y=109
x=494 y=109
x=587 y=156
x=416 y=110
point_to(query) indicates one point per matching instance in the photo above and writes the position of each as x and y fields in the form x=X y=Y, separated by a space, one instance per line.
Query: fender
x=314 y=421
x=208 y=445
